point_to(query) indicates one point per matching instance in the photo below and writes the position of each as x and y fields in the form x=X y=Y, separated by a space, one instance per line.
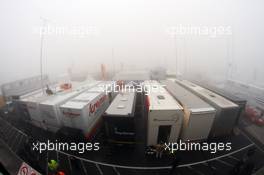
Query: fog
x=136 y=34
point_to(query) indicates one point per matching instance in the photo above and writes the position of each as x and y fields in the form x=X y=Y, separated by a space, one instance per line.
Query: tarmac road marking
x=214 y=168
x=99 y=169
x=245 y=135
x=47 y=169
x=15 y=139
x=8 y=131
x=223 y=162
x=209 y=166
x=18 y=145
x=10 y=137
x=84 y=169
x=68 y=157
x=196 y=171
x=117 y=172
x=57 y=156
x=234 y=158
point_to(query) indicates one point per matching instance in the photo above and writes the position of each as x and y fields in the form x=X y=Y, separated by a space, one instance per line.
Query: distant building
x=132 y=76
x=158 y=73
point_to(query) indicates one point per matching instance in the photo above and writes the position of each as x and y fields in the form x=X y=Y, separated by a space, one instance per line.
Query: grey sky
x=138 y=32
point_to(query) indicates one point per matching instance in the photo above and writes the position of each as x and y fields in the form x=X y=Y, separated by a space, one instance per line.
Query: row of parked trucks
x=78 y=107
x=179 y=109
x=176 y=109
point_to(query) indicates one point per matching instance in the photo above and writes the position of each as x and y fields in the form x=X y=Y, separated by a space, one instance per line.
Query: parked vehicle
x=84 y=112
x=241 y=102
x=226 y=111
x=198 y=114
x=165 y=115
x=255 y=115
x=119 y=119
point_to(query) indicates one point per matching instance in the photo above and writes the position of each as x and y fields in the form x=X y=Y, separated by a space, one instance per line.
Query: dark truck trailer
x=228 y=95
x=119 y=119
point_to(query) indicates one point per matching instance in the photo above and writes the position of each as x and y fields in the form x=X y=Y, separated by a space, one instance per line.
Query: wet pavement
x=125 y=160
x=8 y=159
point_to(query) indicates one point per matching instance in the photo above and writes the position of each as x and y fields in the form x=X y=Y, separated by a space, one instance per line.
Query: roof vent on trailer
x=124 y=99
x=120 y=107
x=161 y=97
x=211 y=95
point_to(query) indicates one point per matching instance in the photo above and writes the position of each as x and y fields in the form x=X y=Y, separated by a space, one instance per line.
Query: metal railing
x=18 y=143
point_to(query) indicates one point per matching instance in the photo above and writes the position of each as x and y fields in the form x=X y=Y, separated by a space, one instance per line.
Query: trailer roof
x=161 y=99
x=102 y=86
x=122 y=105
x=81 y=100
x=28 y=95
x=187 y=98
x=35 y=97
x=223 y=92
x=207 y=94
x=61 y=97
x=85 y=85
x=67 y=95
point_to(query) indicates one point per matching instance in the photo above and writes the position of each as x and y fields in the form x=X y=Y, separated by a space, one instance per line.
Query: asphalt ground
x=125 y=160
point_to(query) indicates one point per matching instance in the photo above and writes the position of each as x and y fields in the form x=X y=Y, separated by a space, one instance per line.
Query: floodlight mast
x=41 y=51
x=176 y=54
x=113 y=60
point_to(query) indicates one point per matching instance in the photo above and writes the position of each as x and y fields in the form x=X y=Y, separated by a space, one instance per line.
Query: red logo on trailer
x=97 y=104
x=25 y=169
x=71 y=114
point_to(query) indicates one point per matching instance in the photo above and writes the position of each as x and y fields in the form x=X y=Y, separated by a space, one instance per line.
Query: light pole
x=41 y=51
x=113 y=59
x=176 y=54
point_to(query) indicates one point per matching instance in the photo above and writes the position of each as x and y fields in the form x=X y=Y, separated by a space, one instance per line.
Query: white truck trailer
x=84 y=112
x=198 y=114
x=226 y=111
x=119 y=118
x=107 y=87
x=21 y=104
x=50 y=111
x=29 y=105
x=226 y=93
x=165 y=115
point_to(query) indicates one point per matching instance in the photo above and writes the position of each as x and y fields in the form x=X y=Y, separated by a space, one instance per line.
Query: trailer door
x=164 y=133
